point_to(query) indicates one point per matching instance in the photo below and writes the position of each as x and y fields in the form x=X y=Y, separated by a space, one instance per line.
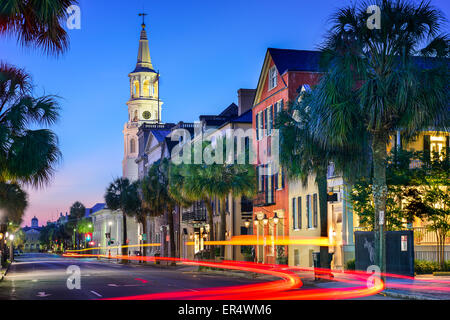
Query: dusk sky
x=205 y=51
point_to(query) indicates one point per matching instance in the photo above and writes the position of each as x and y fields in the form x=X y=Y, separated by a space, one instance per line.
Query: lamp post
x=109 y=242
x=11 y=247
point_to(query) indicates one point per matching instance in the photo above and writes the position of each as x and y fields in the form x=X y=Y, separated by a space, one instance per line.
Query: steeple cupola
x=144 y=63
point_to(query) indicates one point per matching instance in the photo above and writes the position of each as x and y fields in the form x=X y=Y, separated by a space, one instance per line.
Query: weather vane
x=143 y=14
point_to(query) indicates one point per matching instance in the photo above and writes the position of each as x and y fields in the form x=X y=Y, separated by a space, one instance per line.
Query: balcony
x=264 y=198
x=197 y=213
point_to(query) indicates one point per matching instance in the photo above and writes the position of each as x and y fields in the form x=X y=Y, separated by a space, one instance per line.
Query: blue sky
x=205 y=51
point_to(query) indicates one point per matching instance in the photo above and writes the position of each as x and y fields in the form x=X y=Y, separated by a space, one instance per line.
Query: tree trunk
x=124 y=240
x=321 y=180
x=223 y=226
x=144 y=240
x=171 y=233
x=211 y=226
x=2 y=244
x=379 y=190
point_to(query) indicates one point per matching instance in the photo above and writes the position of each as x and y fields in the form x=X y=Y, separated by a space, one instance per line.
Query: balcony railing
x=264 y=198
x=194 y=215
x=424 y=236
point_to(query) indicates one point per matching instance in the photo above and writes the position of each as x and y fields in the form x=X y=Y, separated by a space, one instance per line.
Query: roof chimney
x=245 y=99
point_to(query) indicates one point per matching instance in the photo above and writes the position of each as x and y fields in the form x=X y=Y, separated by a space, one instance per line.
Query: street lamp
x=11 y=247
x=265 y=220
x=275 y=219
x=247 y=223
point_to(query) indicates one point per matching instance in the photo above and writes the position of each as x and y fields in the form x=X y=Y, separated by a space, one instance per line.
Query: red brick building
x=283 y=73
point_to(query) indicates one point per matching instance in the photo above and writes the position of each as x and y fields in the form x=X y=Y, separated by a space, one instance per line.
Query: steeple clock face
x=146 y=115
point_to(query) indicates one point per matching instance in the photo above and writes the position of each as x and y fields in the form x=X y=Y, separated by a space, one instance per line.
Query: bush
x=350 y=265
x=425 y=267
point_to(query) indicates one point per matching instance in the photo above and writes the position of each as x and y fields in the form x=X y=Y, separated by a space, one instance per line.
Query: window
x=279 y=179
x=257 y=126
x=308 y=211
x=299 y=212
x=266 y=123
x=146 y=88
x=296 y=257
x=136 y=88
x=272 y=77
x=270 y=120
x=294 y=214
x=315 y=209
x=132 y=146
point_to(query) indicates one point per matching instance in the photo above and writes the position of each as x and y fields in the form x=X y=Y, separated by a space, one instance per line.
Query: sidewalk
x=423 y=287
x=4 y=271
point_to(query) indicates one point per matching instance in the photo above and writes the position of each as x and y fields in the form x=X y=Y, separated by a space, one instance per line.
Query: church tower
x=144 y=105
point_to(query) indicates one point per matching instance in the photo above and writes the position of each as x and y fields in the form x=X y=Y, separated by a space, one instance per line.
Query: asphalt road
x=44 y=276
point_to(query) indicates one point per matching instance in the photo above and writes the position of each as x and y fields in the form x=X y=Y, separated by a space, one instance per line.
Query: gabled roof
x=160 y=134
x=230 y=111
x=287 y=60
x=246 y=117
x=295 y=60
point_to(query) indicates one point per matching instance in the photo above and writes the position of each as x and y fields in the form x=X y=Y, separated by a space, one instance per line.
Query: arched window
x=146 y=88
x=135 y=118
x=132 y=146
x=136 y=88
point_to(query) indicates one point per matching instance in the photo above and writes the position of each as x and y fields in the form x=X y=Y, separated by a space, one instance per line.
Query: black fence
x=399 y=251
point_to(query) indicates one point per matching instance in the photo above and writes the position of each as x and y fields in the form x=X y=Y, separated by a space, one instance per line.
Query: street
x=43 y=276
x=35 y=276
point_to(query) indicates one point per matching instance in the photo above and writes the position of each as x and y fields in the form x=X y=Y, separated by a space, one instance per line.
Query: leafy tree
x=28 y=154
x=36 y=22
x=302 y=156
x=156 y=196
x=430 y=201
x=123 y=195
x=375 y=78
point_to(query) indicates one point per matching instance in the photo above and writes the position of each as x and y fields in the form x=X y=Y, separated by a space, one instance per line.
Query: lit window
x=136 y=88
x=272 y=78
x=146 y=88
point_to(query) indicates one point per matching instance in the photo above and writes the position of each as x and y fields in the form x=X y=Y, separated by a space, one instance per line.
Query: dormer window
x=272 y=77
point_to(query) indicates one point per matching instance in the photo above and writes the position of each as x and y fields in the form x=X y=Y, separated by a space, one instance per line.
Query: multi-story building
x=283 y=74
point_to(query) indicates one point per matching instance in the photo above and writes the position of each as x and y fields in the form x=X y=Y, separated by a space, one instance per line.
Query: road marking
x=96 y=293
x=141 y=280
x=42 y=295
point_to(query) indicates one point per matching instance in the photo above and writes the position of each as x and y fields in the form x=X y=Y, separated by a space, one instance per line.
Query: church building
x=144 y=105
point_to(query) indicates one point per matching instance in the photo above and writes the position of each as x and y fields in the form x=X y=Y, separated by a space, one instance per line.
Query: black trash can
x=316 y=260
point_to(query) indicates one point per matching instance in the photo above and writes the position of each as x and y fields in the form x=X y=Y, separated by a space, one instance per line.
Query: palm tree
x=160 y=194
x=37 y=23
x=223 y=179
x=186 y=184
x=205 y=182
x=301 y=156
x=27 y=156
x=13 y=202
x=123 y=195
x=375 y=78
x=77 y=213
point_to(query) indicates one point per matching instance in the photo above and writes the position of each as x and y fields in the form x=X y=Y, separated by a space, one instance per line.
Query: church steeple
x=143 y=61
x=144 y=105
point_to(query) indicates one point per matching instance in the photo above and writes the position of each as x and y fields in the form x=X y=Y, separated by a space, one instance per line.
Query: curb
x=408 y=296
x=5 y=271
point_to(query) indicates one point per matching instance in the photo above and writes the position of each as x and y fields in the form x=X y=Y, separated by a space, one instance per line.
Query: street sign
x=144 y=236
x=381 y=218
x=332 y=197
x=404 y=243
